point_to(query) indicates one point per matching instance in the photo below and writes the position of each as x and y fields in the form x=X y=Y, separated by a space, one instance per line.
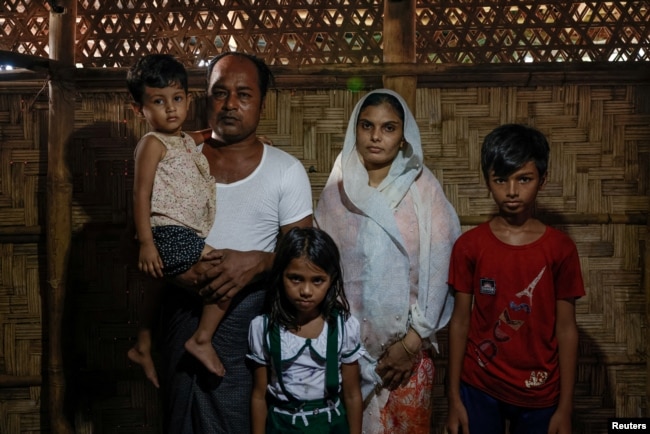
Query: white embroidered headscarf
x=376 y=266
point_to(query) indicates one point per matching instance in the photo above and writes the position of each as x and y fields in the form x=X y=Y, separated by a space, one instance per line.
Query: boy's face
x=165 y=109
x=515 y=194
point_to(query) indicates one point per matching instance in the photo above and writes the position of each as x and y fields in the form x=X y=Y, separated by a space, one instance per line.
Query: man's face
x=234 y=99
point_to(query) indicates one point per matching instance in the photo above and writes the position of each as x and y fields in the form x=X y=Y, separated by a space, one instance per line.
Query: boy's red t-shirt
x=512 y=351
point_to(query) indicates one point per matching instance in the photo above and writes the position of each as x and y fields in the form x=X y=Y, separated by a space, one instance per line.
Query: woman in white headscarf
x=395 y=230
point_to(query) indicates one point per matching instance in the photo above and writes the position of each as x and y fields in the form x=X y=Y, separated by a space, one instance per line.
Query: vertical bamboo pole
x=399 y=46
x=646 y=285
x=643 y=106
x=59 y=201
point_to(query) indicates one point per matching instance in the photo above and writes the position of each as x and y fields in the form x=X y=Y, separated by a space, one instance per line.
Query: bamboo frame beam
x=27 y=61
x=307 y=77
x=337 y=76
x=59 y=205
x=7 y=381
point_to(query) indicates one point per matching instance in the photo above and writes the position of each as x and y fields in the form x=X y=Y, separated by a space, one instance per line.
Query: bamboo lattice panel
x=600 y=139
x=299 y=32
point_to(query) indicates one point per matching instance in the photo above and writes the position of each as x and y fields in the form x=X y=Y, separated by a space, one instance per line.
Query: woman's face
x=380 y=133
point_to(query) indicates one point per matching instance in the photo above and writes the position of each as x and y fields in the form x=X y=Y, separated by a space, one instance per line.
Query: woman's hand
x=396 y=365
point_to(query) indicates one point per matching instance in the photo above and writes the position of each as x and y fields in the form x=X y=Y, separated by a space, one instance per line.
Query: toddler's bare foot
x=206 y=354
x=143 y=358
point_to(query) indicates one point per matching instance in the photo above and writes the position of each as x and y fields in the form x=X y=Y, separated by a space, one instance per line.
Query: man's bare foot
x=206 y=354
x=143 y=358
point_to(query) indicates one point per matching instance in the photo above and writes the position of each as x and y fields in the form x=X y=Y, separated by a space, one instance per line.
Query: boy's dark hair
x=375 y=99
x=510 y=146
x=264 y=75
x=155 y=70
x=316 y=246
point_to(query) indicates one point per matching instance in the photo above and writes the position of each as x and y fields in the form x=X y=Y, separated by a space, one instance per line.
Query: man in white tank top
x=261 y=193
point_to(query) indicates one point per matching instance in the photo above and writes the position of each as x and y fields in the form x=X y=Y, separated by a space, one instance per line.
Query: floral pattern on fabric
x=408 y=409
x=184 y=192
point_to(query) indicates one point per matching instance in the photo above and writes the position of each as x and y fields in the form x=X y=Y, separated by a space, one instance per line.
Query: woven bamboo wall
x=600 y=140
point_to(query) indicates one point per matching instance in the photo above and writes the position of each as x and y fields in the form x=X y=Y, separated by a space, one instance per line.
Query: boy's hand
x=457 y=420
x=560 y=423
x=149 y=260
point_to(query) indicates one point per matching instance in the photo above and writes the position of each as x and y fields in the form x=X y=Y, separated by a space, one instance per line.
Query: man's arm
x=306 y=222
x=227 y=271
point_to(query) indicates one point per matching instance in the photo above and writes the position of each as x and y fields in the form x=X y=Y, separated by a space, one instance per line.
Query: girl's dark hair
x=375 y=99
x=264 y=74
x=510 y=146
x=155 y=70
x=316 y=246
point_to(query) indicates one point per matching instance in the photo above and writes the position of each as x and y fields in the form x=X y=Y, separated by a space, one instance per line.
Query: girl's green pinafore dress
x=321 y=416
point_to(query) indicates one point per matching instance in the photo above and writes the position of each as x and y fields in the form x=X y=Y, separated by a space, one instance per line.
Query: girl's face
x=164 y=108
x=305 y=286
x=380 y=133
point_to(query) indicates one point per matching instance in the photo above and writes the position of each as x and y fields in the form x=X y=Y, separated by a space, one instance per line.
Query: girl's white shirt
x=304 y=376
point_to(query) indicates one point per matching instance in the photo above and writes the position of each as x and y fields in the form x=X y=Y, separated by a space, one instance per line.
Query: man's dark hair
x=155 y=70
x=264 y=74
x=510 y=146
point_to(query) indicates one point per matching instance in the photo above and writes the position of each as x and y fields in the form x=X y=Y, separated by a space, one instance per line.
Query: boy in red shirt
x=513 y=338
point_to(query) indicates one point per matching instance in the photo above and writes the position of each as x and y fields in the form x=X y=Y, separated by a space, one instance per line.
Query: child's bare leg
x=140 y=353
x=200 y=344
